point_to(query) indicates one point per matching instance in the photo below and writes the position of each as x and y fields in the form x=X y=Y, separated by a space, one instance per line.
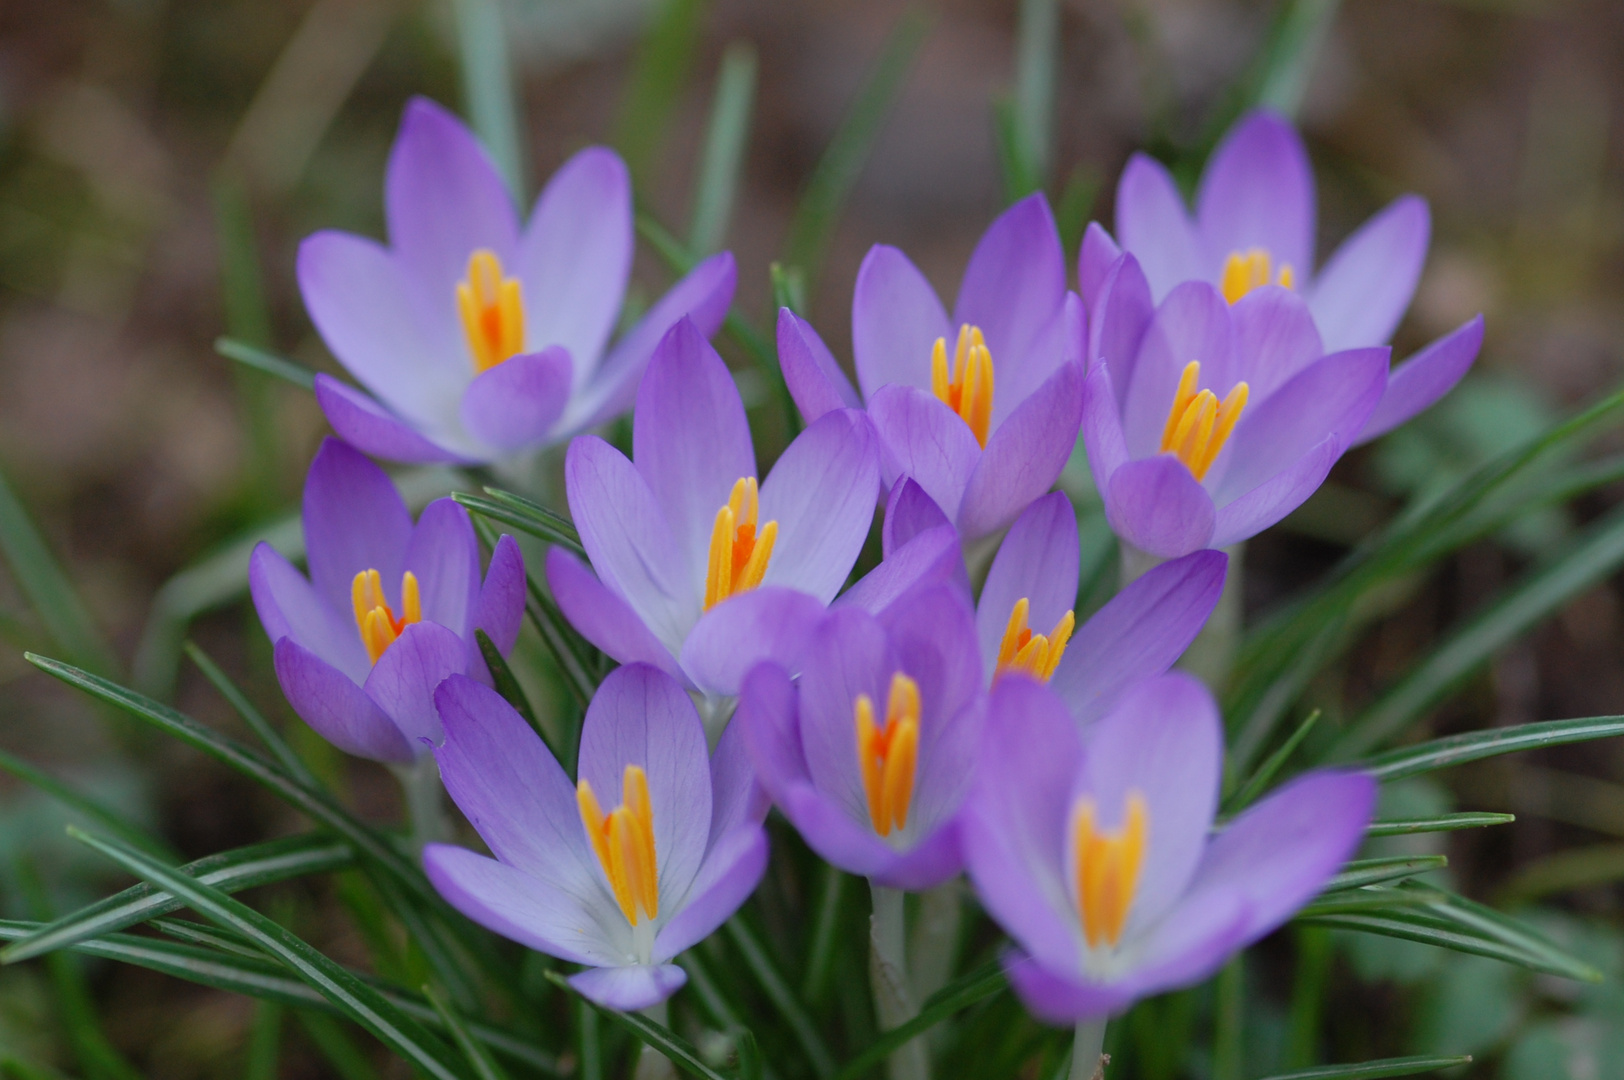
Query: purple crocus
x=982 y=411
x=477 y=337
x=388 y=611
x=1254 y=225
x=654 y=847
x=1094 y=849
x=699 y=570
x=870 y=752
x=1207 y=421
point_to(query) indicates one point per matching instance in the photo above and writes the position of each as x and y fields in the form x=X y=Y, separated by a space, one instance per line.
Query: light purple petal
x=908 y=512
x=368 y=426
x=1102 y=427
x=289 y=607
x=830 y=830
x=1153 y=225
x=1058 y=1000
x=629 y=989
x=335 y=707
x=603 y=618
x=444 y=557
x=936 y=857
x=1013 y=287
x=1193 y=323
x=736 y=799
x=640 y=716
x=1140 y=633
x=1273 y=499
x=929 y=441
x=575 y=256
x=933 y=557
x=811 y=371
x=405 y=677
x=1274 y=340
x=1117 y=323
x=822 y=492
x=521 y=907
x=354 y=520
x=1094 y=261
x=896 y=319
x=1157 y=506
x=850 y=654
x=769 y=623
x=1360 y=295
x=1424 y=378
x=515 y=404
x=1024 y=456
x=1258 y=191
x=1037 y=562
x=1063 y=339
x=500 y=608
x=731 y=872
x=769 y=720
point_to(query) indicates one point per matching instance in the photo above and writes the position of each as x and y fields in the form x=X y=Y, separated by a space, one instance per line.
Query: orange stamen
x=968 y=390
x=1036 y=654
x=623 y=840
x=1251 y=269
x=1198 y=425
x=492 y=311
x=738 y=553
x=889 y=756
x=1107 y=866
x=374 y=618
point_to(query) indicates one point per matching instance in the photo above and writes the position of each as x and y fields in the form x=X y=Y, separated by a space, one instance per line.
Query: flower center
x=889 y=755
x=738 y=553
x=1107 y=865
x=1199 y=424
x=623 y=840
x=1035 y=654
x=373 y=615
x=1251 y=269
x=492 y=311
x=968 y=391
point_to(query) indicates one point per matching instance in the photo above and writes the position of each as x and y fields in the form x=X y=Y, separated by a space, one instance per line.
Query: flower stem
x=888 y=972
x=425 y=803
x=651 y=1064
x=1088 y=1061
x=933 y=947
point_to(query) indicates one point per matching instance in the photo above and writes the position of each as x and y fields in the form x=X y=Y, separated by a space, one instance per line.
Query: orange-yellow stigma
x=968 y=391
x=623 y=840
x=1251 y=269
x=492 y=311
x=1199 y=424
x=373 y=615
x=1107 y=868
x=738 y=553
x=888 y=756
x=1036 y=654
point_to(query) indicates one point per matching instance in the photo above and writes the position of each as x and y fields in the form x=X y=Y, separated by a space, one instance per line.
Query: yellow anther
x=968 y=389
x=738 y=553
x=623 y=841
x=888 y=757
x=1198 y=425
x=1036 y=654
x=1107 y=868
x=374 y=618
x=492 y=311
x=1251 y=269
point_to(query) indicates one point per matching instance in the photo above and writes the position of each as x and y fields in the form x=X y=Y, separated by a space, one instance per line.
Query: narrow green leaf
x=1266 y=772
x=679 y=1050
x=1291 y=53
x=264 y=1042
x=1579 y=868
x=1475 y=745
x=210 y=937
x=723 y=157
x=1368 y=899
x=264 y=360
x=336 y=1046
x=820 y=954
x=1446 y=823
x=1373 y=1070
x=1428 y=929
x=251 y=716
x=779 y=993
x=550 y=528
x=659 y=75
x=789 y=287
x=490 y=94
x=116 y=823
x=1037 y=59
x=750 y=1064
x=1362 y=872
x=1512 y=932
x=1229 y=1021
x=588 y=1041
x=484 y=1066
x=953 y=998
x=508 y=685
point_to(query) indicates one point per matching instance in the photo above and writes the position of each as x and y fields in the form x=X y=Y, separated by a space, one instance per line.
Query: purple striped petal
x=500 y=608
x=908 y=512
x=1056 y=999
x=1013 y=287
x=629 y=989
x=354 y=520
x=368 y=426
x=1273 y=499
x=1424 y=378
x=731 y=872
x=1102 y=427
x=335 y=707
x=850 y=654
x=1153 y=225
x=1274 y=340
x=290 y=607
x=1117 y=324
x=1024 y=457
x=603 y=618
x=895 y=321
x=929 y=442
x=768 y=718
x=810 y=370
x=1157 y=506
x=1258 y=191
x=522 y=907
x=444 y=557
x=769 y=623
x=1037 y=562
x=1193 y=323
x=1360 y=295
x=931 y=558
x=822 y=492
x=404 y=679
x=515 y=404
x=1094 y=261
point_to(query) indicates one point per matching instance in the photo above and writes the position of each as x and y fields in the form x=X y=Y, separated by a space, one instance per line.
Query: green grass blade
x=1288 y=62
x=1513 y=933
x=837 y=171
x=751 y=1067
x=1429 y=927
x=1362 y=872
x=1037 y=59
x=953 y=998
x=659 y=75
x=1446 y=823
x=1579 y=868
x=723 y=158
x=1266 y=772
x=1374 y=1070
x=1476 y=745
x=779 y=993
x=251 y=716
x=552 y=528
x=681 y=1052
x=264 y=1048
x=820 y=954
x=508 y=685
x=335 y=1045
x=263 y=360
x=490 y=94
x=113 y=822
x=209 y=937
x=1369 y=899
x=479 y=1058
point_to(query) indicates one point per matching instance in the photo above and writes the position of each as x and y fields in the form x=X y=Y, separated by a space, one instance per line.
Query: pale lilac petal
x=1094 y=261
x=1117 y=323
x=1037 y=562
x=1275 y=339
x=731 y=872
x=896 y=319
x=627 y=538
x=1013 y=287
x=575 y=256
x=603 y=618
x=1273 y=499
x=737 y=800
x=769 y=623
x=1153 y=225
x=829 y=829
x=850 y=654
x=444 y=557
x=1102 y=427
x=929 y=441
x=822 y=492
x=500 y=608
x=405 y=677
x=908 y=512
x=1058 y=1000
x=640 y=716
x=1193 y=323
x=520 y=906
x=1424 y=378
x=933 y=860
x=1360 y=295
x=1025 y=456
x=368 y=426
x=933 y=557
x=1157 y=506
x=690 y=440
x=810 y=370
x=515 y=404
x=1063 y=339
x=289 y=607
x=768 y=717
x=335 y=707
x=354 y=521
x=1187 y=946
x=629 y=989
x=1140 y=633
x=1258 y=191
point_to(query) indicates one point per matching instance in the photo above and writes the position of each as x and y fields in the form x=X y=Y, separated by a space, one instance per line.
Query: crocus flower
x=982 y=411
x=1206 y=421
x=1254 y=225
x=698 y=569
x=654 y=847
x=870 y=752
x=1094 y=849
x=388 y=611
x=479 y=338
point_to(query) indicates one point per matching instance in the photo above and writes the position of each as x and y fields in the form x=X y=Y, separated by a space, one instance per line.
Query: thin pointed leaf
x=1351 y=901
x=507 y=684
x=1362 y=872
x=209 y=937
x=751 y=1067
x=1037 y=58
x=251 y=716
x=559 y=531
x=484 y=1066
x=1512 y=932
x=264 y=1042
x=1266 y=772
x=820 y=954
x=1439 y=927
x=779 y=993
x=955 y=997
x=1475 y=745
x=113 y=822
x=659 y=75
x=1579 y=868
x=490 y=94
x=723 y=156
x=335 y=1045
x=1446 y=823
x=266 y=361
x=681 y=1052
x=1374 y=1070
